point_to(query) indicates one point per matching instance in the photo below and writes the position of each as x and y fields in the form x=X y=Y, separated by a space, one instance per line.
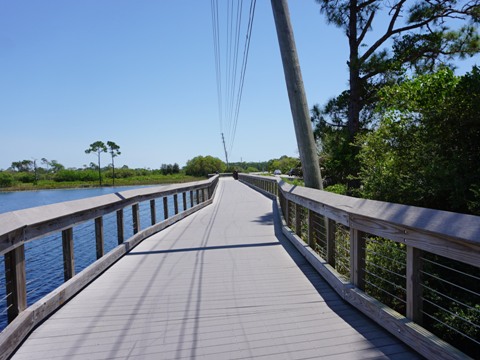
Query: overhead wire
x=243 y=70
x=216 y=50
x=230 y=81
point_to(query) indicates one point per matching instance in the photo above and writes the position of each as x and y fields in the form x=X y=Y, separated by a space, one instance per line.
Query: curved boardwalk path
x=222 y=284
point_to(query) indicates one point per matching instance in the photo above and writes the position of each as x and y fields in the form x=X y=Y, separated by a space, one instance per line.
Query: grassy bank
x=151 y=179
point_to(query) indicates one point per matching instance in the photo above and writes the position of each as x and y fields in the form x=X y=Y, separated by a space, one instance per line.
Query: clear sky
x=141 y=73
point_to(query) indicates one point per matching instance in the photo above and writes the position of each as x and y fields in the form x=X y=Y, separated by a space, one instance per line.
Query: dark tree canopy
x=418 y=37
x=421 y=35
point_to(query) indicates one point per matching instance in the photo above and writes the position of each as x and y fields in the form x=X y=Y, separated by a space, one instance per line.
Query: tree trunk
x=99 y=170
x=354 y=70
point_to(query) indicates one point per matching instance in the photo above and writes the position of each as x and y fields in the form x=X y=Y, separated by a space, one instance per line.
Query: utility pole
x=225 y=148
x=296 y=95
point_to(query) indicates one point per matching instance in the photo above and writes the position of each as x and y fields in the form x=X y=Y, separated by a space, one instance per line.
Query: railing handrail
x=449 y=234
x=423 y=231
x=20 y=226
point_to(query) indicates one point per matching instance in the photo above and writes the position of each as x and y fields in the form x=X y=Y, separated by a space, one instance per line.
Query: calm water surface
x=17 y=200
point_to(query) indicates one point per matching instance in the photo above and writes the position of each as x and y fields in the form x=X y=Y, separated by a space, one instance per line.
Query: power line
x=230 y=81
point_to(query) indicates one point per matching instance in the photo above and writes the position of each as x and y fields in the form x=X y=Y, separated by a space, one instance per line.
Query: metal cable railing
x=403 y=257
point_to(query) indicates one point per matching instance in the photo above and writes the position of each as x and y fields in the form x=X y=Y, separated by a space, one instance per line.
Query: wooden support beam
x=287 y=211
x=414 y=285
x=136 y=218
x=357 y=258
x=198 y=196
x=184 y=195
x=312 y=240
x=165 y=207
x=330 y=234
x=298 y=220
x=99 y=237
x=175 y=203
x=68 y=255
x=120 y=227
x=191 y=198
x=15 y=279
x=153 y=212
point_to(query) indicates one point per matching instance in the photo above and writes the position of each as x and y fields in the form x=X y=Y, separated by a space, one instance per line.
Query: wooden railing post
x=68 y=256
x=99 y=236
x=120 y=228
x=15 y=279
x=198 y=196
x=153 y=212
x=357 y=258
x=330 y=238
x=136 y=218
x=165 y=207
x=175 y=203
x=312 y=241
x=191 y=198
x=287 y=212
x=414 y=286
x=184 y=195
x=298 y=220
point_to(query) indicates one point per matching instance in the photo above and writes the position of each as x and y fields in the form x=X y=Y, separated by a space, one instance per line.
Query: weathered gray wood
x=286 y=211
x=455 y=236
x=68 y=255
x=165 y=207
x=16 y=227
x=330 y=234
x=357 y=258
x=153 y=212
x=312 y=241
x=120 y=227
x=175 y=203
x=28 y=319
x=136 y=218
x=412 y=334
x=99 y=237
x=198 y=196
x=15 y=279
x=298 y=220
x=184 y=299
x=414 y=285
x=191 y=198
x=184 y=197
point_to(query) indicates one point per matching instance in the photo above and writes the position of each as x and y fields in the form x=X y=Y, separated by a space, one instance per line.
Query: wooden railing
x=19 y=227
x=415 y=271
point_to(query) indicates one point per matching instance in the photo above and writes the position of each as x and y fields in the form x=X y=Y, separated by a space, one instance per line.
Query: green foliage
x=6 y=179
x=385 y=272
x=415 y=38
x=167 y=169
x=22 y=166
x=25 y=177
x=424 y=147
x=75 y=175
x=204 y=165
x=284 y=164
x=340 y=189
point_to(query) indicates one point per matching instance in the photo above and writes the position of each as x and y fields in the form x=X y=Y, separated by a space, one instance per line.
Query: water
x=44 y=259
x=17 y=200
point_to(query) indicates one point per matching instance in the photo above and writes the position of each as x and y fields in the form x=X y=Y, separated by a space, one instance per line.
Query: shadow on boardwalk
x=223 y=283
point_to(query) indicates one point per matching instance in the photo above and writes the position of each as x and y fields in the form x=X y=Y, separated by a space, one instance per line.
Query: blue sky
x=141 y=73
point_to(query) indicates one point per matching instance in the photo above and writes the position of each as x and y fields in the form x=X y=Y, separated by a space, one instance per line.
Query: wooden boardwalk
x=222 y=284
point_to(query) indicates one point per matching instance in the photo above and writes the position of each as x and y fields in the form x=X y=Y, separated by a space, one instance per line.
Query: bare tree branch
x=365 y=29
